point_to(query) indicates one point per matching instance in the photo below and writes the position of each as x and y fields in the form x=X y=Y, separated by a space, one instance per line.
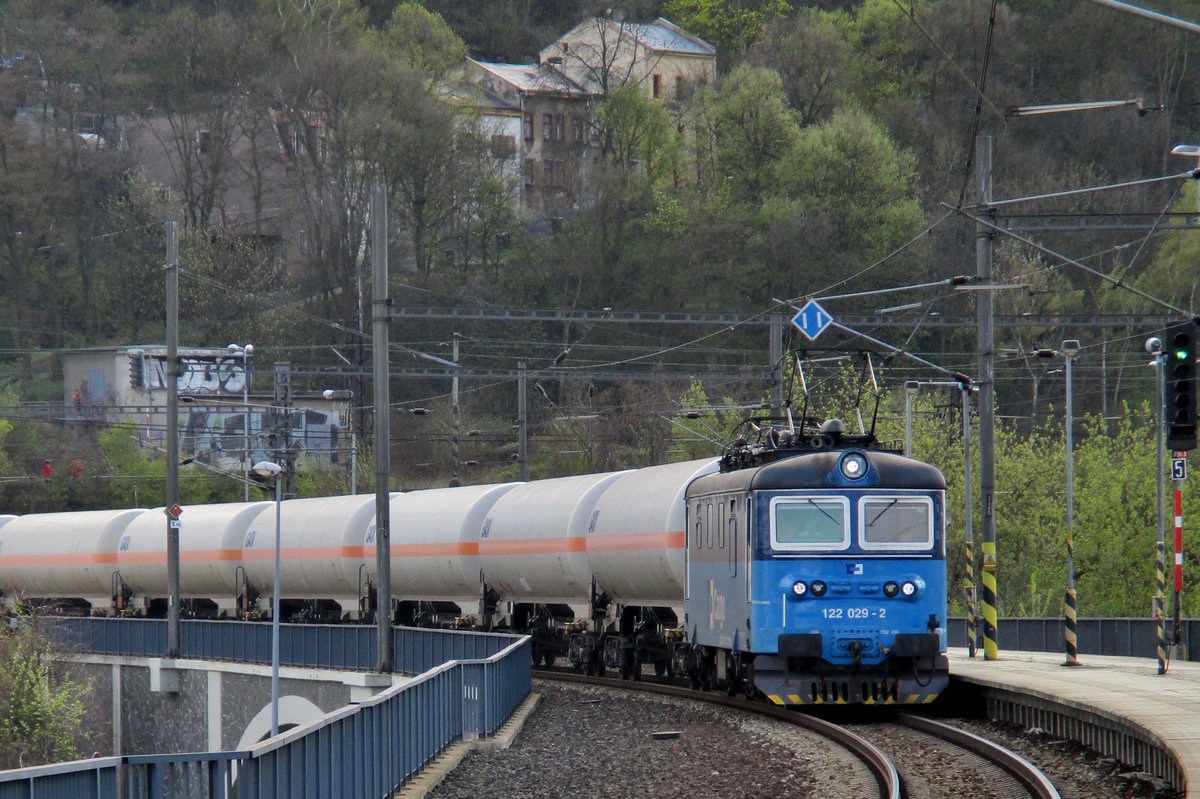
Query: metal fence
x=1116 y=637
x=327 y=646
x=364 y=750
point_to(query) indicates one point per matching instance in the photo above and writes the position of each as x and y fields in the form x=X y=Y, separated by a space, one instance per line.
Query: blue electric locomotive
x=817 y=573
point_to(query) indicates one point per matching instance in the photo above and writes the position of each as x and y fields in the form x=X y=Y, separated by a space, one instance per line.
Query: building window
x=548 y=127
x=680 y=87
x=577 y=129
x=560 y=173
x=657 y=89
x=203 y=142
x=528 y=126
x=548 y=172
x=559 y=128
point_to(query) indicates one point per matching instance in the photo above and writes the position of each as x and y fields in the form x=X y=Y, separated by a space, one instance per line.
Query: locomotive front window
x=811 y=523
x=904 y=523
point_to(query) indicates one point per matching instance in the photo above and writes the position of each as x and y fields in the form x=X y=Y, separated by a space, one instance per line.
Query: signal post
x=1178 y=362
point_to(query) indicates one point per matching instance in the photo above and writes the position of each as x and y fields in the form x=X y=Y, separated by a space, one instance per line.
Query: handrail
x=408 y=726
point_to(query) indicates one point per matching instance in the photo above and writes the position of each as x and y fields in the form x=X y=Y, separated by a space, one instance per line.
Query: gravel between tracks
x=593 y=742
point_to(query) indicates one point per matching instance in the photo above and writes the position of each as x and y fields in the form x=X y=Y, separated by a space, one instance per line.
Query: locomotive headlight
x=854 y=466
x=890 y=589
x=908 y=588
x=799 y=588
x=819 y=588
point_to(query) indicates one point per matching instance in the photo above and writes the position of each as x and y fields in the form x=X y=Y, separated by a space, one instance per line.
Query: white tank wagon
x=436 y=567
x=533 y=545
x=63 y=559
x=637 y=545
x=210 y=559
x=327 y=549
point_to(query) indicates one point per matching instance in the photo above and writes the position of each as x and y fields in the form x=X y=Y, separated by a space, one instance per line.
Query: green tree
x=813 y=60
x=845 y=197
x=730 y=25
x=41 y=707
x=753 y=129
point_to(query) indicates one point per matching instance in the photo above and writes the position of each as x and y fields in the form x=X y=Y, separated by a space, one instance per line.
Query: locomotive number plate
x=854 y=613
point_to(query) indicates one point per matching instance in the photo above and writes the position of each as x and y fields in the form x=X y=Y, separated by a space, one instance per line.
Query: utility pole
x=776 y=351
x=1155 y=347
x=173 y=596
x=380 y=316
x=968 y=521
x=987 y=396
x=522 y=423
x=454 y=412
x=281 y=424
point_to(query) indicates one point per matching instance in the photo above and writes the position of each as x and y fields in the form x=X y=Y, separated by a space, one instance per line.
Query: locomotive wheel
x=660 y=668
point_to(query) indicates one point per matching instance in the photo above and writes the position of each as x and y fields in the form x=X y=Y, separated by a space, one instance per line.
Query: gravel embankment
x=597 y=743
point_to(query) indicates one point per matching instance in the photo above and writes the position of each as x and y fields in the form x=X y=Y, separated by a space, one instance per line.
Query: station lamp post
x=246 y=351
x=1190 y=151
x=1069 y=350
x=348 y=396
x=274 y=471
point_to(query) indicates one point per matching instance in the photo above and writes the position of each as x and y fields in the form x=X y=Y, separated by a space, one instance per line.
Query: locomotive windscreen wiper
x=824 y=512
x=886 y=508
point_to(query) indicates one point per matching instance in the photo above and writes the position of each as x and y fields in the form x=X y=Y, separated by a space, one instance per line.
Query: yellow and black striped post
x=1160 y=594
x=990 y=648
x=1069 y=613
x=970 y=599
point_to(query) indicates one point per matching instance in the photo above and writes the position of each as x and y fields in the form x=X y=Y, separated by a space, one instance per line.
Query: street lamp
x=1190 y=151
x=346 y=394
x=246 y=351
x=274 y=471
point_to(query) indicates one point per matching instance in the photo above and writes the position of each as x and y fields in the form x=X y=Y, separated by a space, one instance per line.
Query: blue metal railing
x=343 y=647
x=469 y=685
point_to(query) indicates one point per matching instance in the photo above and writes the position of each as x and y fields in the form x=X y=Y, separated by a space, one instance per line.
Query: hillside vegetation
x=828 y=159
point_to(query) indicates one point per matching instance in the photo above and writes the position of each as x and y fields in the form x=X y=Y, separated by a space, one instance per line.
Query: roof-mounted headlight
x=854 y=465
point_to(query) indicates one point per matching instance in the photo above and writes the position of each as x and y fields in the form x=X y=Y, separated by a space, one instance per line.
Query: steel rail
x=1030 y=776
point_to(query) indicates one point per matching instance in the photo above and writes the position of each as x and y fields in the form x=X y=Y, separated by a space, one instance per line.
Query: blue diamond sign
x=812 y=320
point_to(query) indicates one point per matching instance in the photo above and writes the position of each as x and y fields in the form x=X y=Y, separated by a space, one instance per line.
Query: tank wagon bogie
x=808 y=571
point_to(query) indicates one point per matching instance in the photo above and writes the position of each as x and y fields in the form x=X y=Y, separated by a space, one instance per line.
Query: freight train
x=807 y=566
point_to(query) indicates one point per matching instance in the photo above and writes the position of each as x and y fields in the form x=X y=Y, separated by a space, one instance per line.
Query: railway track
x=903 y=755
x=939 y=760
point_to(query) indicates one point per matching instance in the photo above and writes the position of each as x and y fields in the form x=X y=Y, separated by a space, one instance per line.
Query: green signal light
x=1181 y=355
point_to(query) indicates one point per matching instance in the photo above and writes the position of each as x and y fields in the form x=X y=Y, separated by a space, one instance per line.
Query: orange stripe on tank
x=525 y=546
x=634 y=541
x=533 y=546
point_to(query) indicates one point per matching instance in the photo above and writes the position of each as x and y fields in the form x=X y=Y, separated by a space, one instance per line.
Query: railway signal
x=1180 y=378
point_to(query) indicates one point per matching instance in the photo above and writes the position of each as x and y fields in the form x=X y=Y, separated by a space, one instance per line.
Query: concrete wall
x=148 y=706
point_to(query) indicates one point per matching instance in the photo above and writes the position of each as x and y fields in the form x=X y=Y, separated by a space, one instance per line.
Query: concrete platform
x=1119 y=706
